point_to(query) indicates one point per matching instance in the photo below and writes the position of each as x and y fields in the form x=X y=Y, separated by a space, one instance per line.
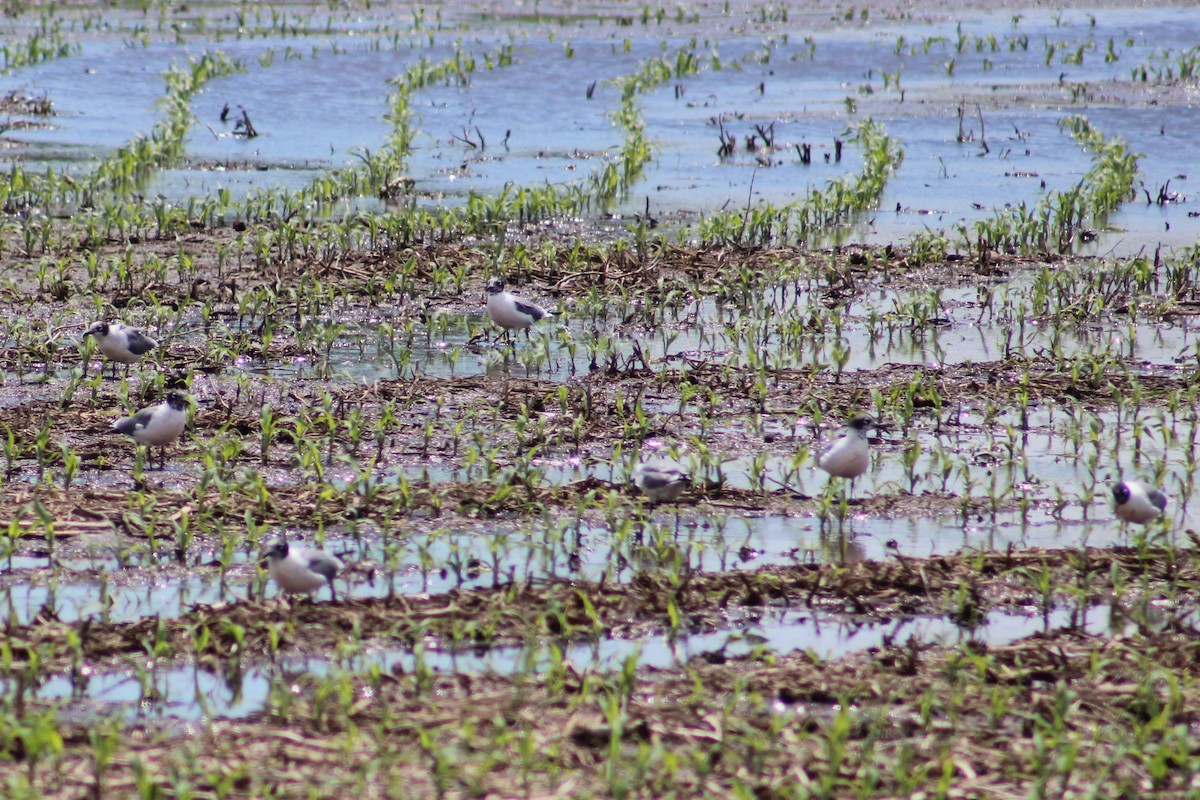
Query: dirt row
x=903 y=720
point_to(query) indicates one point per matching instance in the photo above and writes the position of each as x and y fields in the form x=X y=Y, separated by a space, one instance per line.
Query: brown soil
x=770 y=723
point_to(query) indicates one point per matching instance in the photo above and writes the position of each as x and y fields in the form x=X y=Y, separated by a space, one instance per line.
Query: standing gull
x=1137 y=502
x=119 y=343
x=662 y=479
x=511 y=312
x=299 y=570
x=157 y=426
x=850 y=455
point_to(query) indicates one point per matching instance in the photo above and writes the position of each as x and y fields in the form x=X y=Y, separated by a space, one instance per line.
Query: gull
x=157 y=426
x=299 y=570
x=662 y=479
x=850 y=455
x=511 y=312
x=120 y=343
x=1137 y=502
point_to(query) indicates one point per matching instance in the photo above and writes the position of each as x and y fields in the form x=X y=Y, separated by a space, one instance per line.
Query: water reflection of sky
x=320 y=101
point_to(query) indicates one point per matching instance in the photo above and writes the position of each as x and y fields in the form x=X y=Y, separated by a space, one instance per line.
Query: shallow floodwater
x=196 y=693
x=539 y=109
x=1016 y=74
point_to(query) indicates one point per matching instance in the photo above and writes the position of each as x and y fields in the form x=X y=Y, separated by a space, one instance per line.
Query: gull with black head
x=120 y=344
x=1137 y=502
x=511 y=312
x=301 y=570
x=157 y=426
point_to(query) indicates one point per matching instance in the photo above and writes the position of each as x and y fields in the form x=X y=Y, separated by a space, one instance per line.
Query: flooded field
x=739 y=226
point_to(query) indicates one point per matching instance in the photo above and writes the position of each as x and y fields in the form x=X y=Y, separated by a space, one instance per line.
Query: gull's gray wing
x=128 y=425
x=323 y=564
x=1157 y=498
x=657 y=473
x=537 y=312
x=138 y=343
x=652 y=480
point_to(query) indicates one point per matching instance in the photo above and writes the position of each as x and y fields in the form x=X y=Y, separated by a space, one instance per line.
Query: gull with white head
x=302 y=570
x=661 y=479
x=157 y=426
x=511 y=312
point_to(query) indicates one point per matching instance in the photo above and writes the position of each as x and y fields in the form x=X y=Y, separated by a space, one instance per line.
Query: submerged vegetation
x=823 y=208
x=1059 y=219
x=516 y=618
